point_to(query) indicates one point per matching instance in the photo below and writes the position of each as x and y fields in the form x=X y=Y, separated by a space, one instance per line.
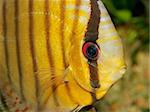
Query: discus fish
x=57 y=55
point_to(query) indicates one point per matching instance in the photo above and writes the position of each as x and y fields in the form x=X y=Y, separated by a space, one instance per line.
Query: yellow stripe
x=16 y=13
x=26 y=59
x=39 y=36
x=55 y=44
x=47 y=90
x=11 y=44
x=3 y=61
x=33 y=51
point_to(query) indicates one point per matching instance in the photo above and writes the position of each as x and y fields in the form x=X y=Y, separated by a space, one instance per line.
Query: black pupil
x=91 y=51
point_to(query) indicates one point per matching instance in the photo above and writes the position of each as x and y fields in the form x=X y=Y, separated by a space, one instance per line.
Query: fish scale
x=42 y=66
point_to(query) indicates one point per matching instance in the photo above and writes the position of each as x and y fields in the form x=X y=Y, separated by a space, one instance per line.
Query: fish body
x=42 y=66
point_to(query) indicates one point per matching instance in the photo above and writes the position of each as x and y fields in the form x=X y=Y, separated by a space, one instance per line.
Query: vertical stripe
x=31 y=39
x=93 y=94
x=93 y=24
x=62 y=18
x=92 y=35
x=93 y=67
x=5 y=41
x=49 y=50
x=18 y=47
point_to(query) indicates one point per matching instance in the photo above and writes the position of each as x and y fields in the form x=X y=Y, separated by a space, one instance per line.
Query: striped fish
x=57 y=55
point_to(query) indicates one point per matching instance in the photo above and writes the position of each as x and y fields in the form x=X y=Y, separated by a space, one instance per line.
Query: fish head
x=99 y=63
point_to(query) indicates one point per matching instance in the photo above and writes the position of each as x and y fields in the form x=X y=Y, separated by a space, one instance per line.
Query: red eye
x=90 y=50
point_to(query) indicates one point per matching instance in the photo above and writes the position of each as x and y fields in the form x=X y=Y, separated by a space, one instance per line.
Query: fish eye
x=90 y=50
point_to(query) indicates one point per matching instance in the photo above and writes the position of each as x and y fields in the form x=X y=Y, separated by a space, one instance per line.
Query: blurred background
x=131 y=93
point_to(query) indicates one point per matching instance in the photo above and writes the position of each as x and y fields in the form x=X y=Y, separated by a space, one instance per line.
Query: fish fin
x=49 y=83
x=11 y=101
x=45 y=75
